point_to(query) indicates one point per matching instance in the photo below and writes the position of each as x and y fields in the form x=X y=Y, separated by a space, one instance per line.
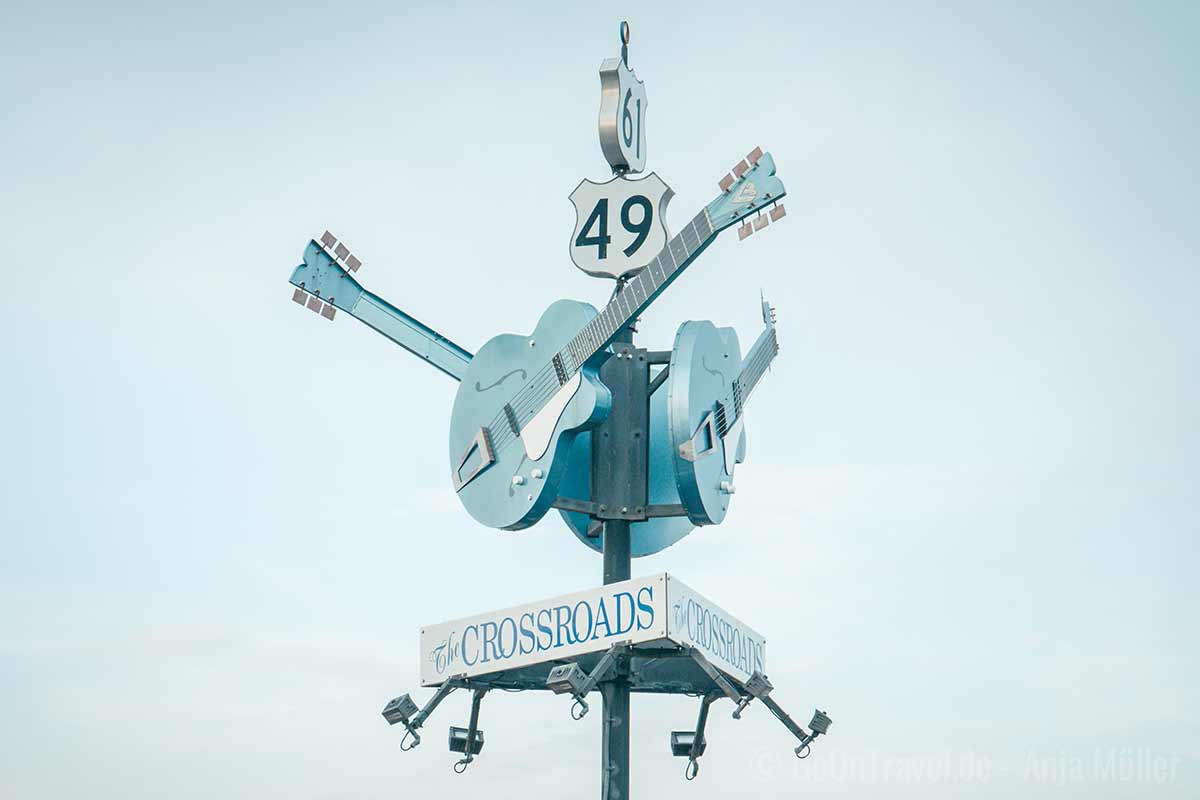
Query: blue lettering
x=622 y=629
x=646 y=607
x=527 y=633
x=489 y=640
x=549 y=640
x=575 y=621
x=475 y=630
x=602 y=619
x=562 y=622
x=513 y=625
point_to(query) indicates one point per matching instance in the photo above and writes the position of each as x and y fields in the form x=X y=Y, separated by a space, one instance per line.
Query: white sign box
x=655 y=609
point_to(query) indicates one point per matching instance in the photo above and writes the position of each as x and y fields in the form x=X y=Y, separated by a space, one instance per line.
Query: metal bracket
x=717 y=676
x=572 y=504
x=658 y=380
x=606 y=663
x=658 y=356
x=698 y=743
x=413 y=725
x=460 y=766
x=759 y=686
x=596 y=512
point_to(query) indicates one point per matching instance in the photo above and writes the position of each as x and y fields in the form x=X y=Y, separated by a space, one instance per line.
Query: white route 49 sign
x=619 y=225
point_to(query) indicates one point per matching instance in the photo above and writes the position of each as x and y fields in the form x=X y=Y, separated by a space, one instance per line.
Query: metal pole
x=616 y=551
x=614 y=754
x=620 y=452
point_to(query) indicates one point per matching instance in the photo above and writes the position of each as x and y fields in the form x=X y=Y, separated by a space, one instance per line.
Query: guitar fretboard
x=761 y=355
x=639 y=292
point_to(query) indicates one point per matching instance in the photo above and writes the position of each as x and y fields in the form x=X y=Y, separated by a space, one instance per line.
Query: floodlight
x=401 y=709
x=820 y=723
x=458 y=741
x=682 y=743
x=567 y=679
x=759 y=685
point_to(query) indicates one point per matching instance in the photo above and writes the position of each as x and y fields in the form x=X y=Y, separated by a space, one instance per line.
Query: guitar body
x=704 y=364
x=503 y=479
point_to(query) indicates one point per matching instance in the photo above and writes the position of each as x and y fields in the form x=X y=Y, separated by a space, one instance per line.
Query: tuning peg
x=740 y=169
x=299 y=296
x=341 y=251
x=353 y=263
x=745 y=231
x=777 y=212
x=725 y=182
x=760 y=222
x=754 y=155
x=314 y=304
x=328 y=239
x=327 y=311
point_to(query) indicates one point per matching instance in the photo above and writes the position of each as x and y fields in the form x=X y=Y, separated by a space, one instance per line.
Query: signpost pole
x=620 y=456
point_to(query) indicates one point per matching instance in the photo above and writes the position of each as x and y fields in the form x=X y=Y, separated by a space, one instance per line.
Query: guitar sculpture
x=704 y=357
x=524 y=399
x=706 y=414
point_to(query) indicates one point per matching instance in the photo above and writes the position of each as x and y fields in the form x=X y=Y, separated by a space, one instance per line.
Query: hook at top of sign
x=625 y=42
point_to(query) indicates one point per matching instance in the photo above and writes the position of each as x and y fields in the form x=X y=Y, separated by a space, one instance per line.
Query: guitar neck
x=762 y=353
x=411 y=334
x=639 y=292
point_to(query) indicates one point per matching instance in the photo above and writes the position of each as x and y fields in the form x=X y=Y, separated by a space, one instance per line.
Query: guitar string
x=546 y=388
x=539 y=390
x=750 y=375
x=754 y=371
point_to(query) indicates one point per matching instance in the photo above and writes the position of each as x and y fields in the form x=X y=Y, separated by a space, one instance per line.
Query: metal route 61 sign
x=619 y=225
x=623 y=106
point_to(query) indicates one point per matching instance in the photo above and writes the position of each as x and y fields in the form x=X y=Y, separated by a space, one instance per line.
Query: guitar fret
x=639 y=290
x=679 y=251
x=667 y=254
x=689 y=238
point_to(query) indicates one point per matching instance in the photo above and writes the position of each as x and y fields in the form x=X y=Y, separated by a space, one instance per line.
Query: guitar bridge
x=479 y=456
x=559 y=370
x=703 y=441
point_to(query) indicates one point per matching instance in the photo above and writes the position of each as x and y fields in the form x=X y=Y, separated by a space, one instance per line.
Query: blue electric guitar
x=524 y=399
x=706 y=365
x=705 y=412
x=324 y=284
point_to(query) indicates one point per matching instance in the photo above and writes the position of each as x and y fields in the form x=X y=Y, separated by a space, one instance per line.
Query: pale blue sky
x=967 y=525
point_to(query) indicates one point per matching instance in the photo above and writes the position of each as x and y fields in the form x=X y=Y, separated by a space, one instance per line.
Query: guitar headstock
x=768 y=312
x=323 y=281
x=748 y=189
